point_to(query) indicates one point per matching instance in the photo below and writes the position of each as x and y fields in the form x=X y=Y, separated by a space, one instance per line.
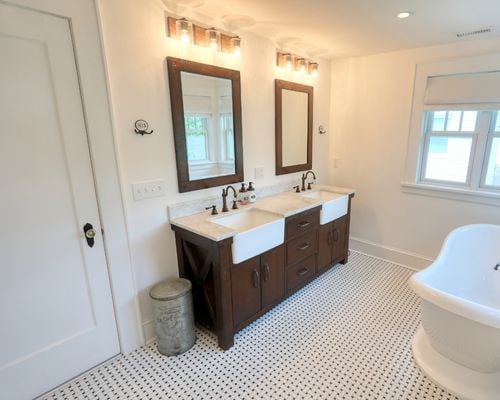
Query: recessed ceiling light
x=404 y=14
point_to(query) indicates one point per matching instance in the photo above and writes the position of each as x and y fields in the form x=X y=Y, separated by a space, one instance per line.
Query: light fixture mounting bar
x=227 y=43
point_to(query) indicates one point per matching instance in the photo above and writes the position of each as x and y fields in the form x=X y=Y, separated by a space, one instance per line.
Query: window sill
x=491 y=198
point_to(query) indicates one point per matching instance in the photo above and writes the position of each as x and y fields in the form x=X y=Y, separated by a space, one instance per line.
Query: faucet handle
x=309 y=185
x=235 y=205
x=297 y=189
x=214 y=209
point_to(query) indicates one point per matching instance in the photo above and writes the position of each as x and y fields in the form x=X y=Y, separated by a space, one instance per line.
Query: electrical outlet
x=259 y=172
x=148 y=189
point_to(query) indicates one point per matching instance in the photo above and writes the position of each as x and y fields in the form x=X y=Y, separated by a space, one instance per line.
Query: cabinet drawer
x=300 y=272
x=301 y=247
x=302 y=223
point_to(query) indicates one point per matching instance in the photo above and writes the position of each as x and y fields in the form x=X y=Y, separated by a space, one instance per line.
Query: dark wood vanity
x=227 y=297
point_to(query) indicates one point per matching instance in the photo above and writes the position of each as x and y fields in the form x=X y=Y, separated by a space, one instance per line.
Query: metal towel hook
x=496 y=267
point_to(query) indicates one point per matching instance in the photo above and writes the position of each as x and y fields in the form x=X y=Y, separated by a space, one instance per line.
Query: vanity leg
x=222 y=287
x=225 y=343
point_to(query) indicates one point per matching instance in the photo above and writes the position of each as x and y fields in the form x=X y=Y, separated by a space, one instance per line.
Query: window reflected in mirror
x=207 y=124
x=208 y=118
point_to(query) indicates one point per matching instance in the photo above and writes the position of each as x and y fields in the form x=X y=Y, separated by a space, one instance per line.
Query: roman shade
x=481 y=88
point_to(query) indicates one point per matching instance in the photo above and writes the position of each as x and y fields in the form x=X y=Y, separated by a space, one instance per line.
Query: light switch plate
x=148 y=189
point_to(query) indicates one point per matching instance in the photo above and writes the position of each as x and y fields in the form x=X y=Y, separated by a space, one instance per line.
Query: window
x=197 y=134
x=492 y=160
x=226 y=124
x=458 y=145
x=454 y=140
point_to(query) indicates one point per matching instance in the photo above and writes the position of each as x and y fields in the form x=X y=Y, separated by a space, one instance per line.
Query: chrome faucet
x=225 y=192
x=304 y=177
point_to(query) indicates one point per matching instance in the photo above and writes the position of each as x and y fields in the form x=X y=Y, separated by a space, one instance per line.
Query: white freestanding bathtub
x=458 y=343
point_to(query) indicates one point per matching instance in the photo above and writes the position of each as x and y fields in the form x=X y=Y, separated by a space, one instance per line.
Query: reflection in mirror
x=294 y=104
x=206 y=114
x=208 y=119
x=294 y=127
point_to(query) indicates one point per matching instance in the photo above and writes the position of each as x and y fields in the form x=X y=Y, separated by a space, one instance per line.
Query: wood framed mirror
x=206 y=115
x=294 y=114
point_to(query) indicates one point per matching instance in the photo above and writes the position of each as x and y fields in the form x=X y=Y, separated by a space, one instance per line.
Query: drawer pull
x=335 y=235
x=302 y=271
x=303 y=224
x=256 y=278
x=303 y=246
x=265 y=276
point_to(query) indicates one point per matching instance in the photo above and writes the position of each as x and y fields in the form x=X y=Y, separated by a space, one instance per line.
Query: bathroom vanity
x=232 y=284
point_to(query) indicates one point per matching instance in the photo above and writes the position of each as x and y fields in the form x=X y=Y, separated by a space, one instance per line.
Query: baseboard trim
x=148 y=327
x=401 y=257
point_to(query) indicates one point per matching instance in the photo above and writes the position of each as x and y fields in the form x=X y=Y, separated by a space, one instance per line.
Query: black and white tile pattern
x=346 y=336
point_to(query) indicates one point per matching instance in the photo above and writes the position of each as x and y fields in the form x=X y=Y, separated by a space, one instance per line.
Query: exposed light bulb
x=288 y=62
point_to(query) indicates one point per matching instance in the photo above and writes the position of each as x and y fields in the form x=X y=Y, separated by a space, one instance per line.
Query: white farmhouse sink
x=334 y=205
x=258 y=231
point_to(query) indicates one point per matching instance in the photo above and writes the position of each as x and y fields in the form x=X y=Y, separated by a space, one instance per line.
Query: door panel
x=55 y=297
x=339 y=238
x=325 y=246
x=245 y=288
x=273 y=275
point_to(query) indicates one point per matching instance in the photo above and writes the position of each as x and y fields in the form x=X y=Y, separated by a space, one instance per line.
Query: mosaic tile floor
x=346 y=335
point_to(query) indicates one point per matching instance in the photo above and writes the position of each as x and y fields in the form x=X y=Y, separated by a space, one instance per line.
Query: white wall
x=135 y=46
x=370 y=114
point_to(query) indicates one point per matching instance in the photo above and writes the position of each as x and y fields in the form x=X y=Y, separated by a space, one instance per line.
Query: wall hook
x=141 y=127
x=322 y=130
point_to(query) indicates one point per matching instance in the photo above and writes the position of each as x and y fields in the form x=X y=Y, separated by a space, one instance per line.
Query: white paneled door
x=56 y=311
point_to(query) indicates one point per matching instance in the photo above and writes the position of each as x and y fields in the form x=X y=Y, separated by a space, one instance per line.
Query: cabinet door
x=339 y=234
x=325 y=247
x=273 y=275
x=245 y=288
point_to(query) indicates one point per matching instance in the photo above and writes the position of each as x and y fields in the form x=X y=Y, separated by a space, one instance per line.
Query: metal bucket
x=173 y=313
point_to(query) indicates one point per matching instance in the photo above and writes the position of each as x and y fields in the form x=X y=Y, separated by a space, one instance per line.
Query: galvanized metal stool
x=173 y=313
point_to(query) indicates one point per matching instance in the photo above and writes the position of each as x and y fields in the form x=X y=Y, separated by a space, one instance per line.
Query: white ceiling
x=334 y=28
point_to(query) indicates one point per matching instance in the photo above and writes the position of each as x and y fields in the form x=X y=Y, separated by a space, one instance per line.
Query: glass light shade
x=236 y=46
x=184 y=31
x=213 y=39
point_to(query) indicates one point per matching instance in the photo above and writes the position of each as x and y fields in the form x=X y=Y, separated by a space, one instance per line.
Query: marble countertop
x=283 y=205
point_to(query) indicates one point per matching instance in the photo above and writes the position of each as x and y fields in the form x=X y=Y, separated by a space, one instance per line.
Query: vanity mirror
x=294 y=113
x=206 y=114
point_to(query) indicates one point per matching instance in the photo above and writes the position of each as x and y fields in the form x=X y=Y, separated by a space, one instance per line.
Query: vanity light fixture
x=404 y=14
x=296 y=63
x=189 y=33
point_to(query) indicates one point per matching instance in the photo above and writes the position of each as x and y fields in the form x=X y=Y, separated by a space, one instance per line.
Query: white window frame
x=492 y=134
x=208 y=137
x=474 y=191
